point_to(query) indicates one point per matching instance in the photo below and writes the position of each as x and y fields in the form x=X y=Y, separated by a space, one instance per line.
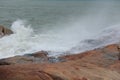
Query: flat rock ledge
x=38 y=57
x=99 y=64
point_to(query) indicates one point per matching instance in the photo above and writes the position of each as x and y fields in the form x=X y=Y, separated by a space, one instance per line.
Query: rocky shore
x=98 y=64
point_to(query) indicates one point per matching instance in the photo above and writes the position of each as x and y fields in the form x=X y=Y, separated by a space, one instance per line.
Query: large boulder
x=5 y=31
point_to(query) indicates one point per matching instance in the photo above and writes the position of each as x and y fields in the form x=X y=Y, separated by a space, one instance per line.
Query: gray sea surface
x=49 y=14
x=58 y=26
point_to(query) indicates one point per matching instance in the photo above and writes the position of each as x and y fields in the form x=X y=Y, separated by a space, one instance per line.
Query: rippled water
x=58 y=26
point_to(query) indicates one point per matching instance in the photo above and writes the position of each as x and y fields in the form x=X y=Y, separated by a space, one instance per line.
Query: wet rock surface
x=98 y=64
x=38 y=57
x=5 y=31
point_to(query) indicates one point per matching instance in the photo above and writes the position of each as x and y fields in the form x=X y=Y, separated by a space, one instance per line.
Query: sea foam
x=68 y=40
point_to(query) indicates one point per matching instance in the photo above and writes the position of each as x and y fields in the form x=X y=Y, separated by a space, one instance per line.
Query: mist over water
x=60 y=27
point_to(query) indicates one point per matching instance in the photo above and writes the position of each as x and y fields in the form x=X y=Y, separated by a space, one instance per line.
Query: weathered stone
x=98 y=64
x=38 y=57
x=102 y=56
x=40 y=54
x=5 y=31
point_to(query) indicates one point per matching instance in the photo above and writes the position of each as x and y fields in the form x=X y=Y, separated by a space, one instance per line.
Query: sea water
x=57 y=26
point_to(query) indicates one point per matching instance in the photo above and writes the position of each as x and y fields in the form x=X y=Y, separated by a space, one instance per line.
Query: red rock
x=38 y=57
x=98 y=64
x=115 y=66
x=103 y=57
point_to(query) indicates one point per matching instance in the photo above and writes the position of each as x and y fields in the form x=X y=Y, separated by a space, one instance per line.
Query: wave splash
x=25 y=40
x=109 y=35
